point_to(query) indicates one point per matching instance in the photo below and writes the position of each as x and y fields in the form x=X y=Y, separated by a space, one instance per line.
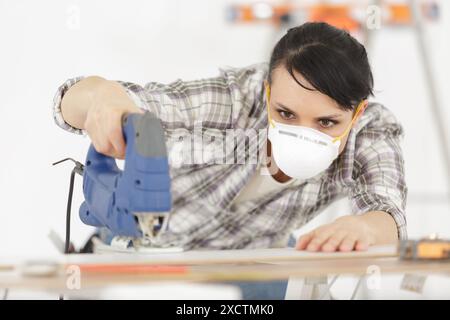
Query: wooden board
x=208 y=257
x=239 y=272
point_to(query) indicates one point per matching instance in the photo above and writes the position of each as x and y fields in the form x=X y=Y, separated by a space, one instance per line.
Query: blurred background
x=46 y=42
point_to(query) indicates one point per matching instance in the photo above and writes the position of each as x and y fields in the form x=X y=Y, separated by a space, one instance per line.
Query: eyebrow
x=331 y=116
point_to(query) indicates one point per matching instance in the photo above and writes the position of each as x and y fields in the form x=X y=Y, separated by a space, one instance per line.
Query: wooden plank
x=208 y=257
x=227 y=272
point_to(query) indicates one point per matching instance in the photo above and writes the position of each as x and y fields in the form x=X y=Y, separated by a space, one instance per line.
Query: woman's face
x=292 y=104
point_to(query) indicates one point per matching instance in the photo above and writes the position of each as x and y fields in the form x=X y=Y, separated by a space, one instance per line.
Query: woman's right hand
x=97 y=106
x=104 y=119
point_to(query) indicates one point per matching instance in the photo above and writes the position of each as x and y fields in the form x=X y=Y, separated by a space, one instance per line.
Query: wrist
x=113 y=95
x=381 y=226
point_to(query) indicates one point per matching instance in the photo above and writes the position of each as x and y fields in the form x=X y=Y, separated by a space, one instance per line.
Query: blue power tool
x=134 y=202
x=114 y=198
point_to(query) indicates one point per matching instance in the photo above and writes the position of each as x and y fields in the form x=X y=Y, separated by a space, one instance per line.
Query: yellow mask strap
x=267 y=104
x=358 y=111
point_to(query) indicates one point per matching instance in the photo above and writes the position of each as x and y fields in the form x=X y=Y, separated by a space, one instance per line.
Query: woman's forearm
x=80 y=98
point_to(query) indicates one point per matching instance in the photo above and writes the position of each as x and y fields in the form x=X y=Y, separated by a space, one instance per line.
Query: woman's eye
x=327 y=123
x=286 y=114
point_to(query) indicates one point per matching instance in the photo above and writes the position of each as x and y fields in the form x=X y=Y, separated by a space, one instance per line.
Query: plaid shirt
x=370 y=170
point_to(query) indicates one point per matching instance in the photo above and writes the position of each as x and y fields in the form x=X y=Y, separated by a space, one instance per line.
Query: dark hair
x=330 y=59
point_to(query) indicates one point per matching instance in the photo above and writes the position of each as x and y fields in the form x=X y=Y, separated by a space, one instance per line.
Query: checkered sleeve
x=217 y=102
x=195 y=113
x=56 y=106
x=134 y=91
x=379 y=176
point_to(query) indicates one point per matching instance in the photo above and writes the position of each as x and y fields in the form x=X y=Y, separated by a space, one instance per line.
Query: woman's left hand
x=346 y=233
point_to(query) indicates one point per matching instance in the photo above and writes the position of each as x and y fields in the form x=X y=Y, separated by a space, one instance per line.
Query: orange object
x=336 y=15
x=246 y=14
x=132 y=268
x=249 y=13
x=399 y=14
x=435 y=249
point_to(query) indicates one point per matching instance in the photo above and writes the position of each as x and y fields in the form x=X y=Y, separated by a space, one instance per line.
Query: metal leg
x=358 y=285
x=312 y=288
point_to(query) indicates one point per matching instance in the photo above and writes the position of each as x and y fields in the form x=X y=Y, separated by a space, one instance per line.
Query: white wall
x=139 y=40
x=136 y=41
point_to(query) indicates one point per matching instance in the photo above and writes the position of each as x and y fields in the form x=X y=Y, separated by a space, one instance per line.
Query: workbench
x=98 y=270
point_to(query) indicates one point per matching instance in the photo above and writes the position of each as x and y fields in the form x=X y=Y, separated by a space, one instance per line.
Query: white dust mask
x=302 y=152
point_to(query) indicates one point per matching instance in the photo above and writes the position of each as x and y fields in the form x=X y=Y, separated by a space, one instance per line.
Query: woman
x=321 y=137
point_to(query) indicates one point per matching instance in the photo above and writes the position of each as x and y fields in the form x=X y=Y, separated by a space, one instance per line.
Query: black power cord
x=79 y=168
